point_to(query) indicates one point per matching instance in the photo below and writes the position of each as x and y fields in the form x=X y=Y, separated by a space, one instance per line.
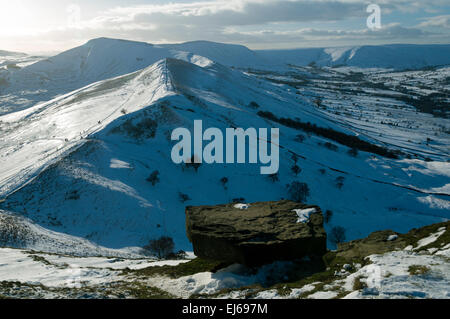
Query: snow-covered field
x=81 y=132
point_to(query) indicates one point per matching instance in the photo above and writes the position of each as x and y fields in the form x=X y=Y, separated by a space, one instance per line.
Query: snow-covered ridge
x=51 y=129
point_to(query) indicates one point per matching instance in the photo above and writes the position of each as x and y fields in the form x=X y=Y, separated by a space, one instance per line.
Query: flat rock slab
x=255 y=233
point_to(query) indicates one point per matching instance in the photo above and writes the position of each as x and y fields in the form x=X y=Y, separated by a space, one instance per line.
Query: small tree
x=340 y=182
x=296 y=169
x=298 y=192
x=273 y=177
x=253 y=105
x=328 y=215
x=162 y=247
x=224 y=182
x=353 y=152
x=153 y=178
x=337 y=235
x=192 y=163
x=330 y=146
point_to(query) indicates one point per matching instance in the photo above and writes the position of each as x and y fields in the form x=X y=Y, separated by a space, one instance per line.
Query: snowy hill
x=97 y=60
x=101 y=59
x=396 y=56
x=9 y=53
x=13 y=61
x=226 y=54
x=79 y=164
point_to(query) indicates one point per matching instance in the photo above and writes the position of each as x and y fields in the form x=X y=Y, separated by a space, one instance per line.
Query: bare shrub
x=192 y=164
x=273 y=177
x=340 y=182
x=327 y=216
x=298 y=192
x=224 y=182
x=337 y=235
x=300 y=138
x=154 y=178
x=162 y=247
x=296 y=169
x=353 y=152
x=253 y=105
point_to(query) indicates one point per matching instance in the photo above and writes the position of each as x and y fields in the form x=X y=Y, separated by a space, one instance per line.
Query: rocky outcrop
x=257 y=233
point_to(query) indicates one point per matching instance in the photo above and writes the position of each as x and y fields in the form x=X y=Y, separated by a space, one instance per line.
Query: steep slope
x=80 y=164
x=396 y=56
x=35 y=136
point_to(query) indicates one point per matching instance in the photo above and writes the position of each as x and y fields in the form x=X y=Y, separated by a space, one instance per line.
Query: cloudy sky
x=56 y=25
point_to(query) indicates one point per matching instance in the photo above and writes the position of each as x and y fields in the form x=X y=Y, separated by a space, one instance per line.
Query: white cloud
x=277 y=22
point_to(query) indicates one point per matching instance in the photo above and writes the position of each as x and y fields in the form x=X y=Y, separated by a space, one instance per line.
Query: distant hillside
x=395 y=56
x=227 y=54
x=10 y=53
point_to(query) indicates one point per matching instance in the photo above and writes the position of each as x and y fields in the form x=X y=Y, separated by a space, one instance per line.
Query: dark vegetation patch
x=358 y=284
x=141 y=129
x=418 y=270
x=184 y=269
x=13 y=233
x=341 y=138
x=434 y=103
x=120 y=289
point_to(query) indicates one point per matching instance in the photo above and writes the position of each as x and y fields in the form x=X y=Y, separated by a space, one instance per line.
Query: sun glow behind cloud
x=15 y=18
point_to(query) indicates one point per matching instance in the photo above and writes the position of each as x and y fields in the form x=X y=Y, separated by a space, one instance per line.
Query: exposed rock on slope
x=256 y=234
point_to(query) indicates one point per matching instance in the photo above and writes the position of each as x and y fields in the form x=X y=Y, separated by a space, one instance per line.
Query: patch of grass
x=141 y=291
x=417 y=270
x=43 y=260
x=184 y=269
x=40 y=259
